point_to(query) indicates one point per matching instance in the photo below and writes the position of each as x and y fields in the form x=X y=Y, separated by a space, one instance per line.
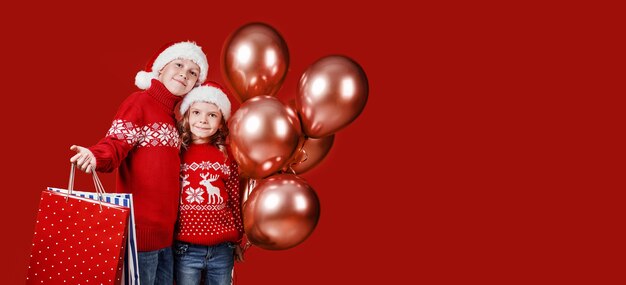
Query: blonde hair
x=218 y=139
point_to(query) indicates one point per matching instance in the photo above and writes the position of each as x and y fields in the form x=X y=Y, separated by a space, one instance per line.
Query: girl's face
x=204 y=121
x=179 y=76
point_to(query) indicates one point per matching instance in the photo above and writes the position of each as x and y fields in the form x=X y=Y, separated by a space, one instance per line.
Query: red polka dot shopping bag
x=130 y=271
x=78 y=240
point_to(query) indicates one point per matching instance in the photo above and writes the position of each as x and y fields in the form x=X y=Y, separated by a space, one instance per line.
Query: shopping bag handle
x=96 y=182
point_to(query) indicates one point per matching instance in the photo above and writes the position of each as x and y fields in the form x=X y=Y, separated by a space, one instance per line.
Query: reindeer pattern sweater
x=210 y=205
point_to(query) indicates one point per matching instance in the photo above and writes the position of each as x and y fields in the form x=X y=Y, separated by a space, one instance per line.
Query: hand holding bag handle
x=96 y=182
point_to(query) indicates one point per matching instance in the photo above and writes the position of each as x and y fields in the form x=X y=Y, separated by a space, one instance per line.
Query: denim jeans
x=191 y=259
x=156 y=267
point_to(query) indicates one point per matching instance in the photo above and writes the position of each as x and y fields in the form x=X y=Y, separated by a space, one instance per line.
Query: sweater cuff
x=103 y=164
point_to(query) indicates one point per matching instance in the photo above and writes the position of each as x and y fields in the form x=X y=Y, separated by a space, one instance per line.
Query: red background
x=484 y=153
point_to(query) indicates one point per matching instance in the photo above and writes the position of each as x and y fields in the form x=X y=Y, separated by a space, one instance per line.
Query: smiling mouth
x=181 y=83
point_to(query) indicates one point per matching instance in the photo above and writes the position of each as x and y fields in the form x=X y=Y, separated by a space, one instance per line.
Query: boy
x=143 y=144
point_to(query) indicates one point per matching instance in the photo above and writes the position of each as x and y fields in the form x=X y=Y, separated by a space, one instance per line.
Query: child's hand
x=238 y=253
x=84 y=158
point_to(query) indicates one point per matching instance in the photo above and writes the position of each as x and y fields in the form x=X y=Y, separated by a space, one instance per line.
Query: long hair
x=218 y=139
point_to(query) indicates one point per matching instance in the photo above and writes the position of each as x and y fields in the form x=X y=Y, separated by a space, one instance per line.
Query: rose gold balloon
x=312 y=153
x=281 y=212
x=255 y=60
x=294 y=113
x=332 y=92
x=247 y=186
x=264 y=135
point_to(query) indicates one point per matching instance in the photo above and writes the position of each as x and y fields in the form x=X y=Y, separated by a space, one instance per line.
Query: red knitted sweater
x=143 y=144
x=210 y=211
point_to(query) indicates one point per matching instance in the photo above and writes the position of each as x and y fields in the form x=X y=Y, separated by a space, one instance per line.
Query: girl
x=209 y=227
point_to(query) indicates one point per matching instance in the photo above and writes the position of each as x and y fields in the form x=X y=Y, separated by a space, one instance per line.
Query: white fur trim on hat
x=207 y=94
x=182 y=50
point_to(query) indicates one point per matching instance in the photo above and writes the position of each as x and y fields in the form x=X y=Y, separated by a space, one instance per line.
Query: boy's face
x=204 y=120
x=179 y=76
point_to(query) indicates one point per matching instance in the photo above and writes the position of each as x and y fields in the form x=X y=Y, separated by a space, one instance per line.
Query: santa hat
x=210 y=92
x=180 y=50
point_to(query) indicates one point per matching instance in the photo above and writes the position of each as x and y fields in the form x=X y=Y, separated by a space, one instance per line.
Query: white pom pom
x=143 y=79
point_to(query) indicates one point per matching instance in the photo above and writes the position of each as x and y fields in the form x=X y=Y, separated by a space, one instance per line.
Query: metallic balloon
x=312 y=153
x=264 y=135
x=255 y=60
x=297 y=155
x=247 y=186
x=281 y=212
x=332 y=92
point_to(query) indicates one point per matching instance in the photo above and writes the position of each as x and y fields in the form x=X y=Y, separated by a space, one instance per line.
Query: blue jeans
x=191 y=259
x=156 y=267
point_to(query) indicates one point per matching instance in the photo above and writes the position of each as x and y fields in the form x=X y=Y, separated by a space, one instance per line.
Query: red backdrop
x=459 y=170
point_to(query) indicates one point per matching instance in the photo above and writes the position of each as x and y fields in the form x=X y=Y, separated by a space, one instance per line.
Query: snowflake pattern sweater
x=143 y=144
x=210 y=211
